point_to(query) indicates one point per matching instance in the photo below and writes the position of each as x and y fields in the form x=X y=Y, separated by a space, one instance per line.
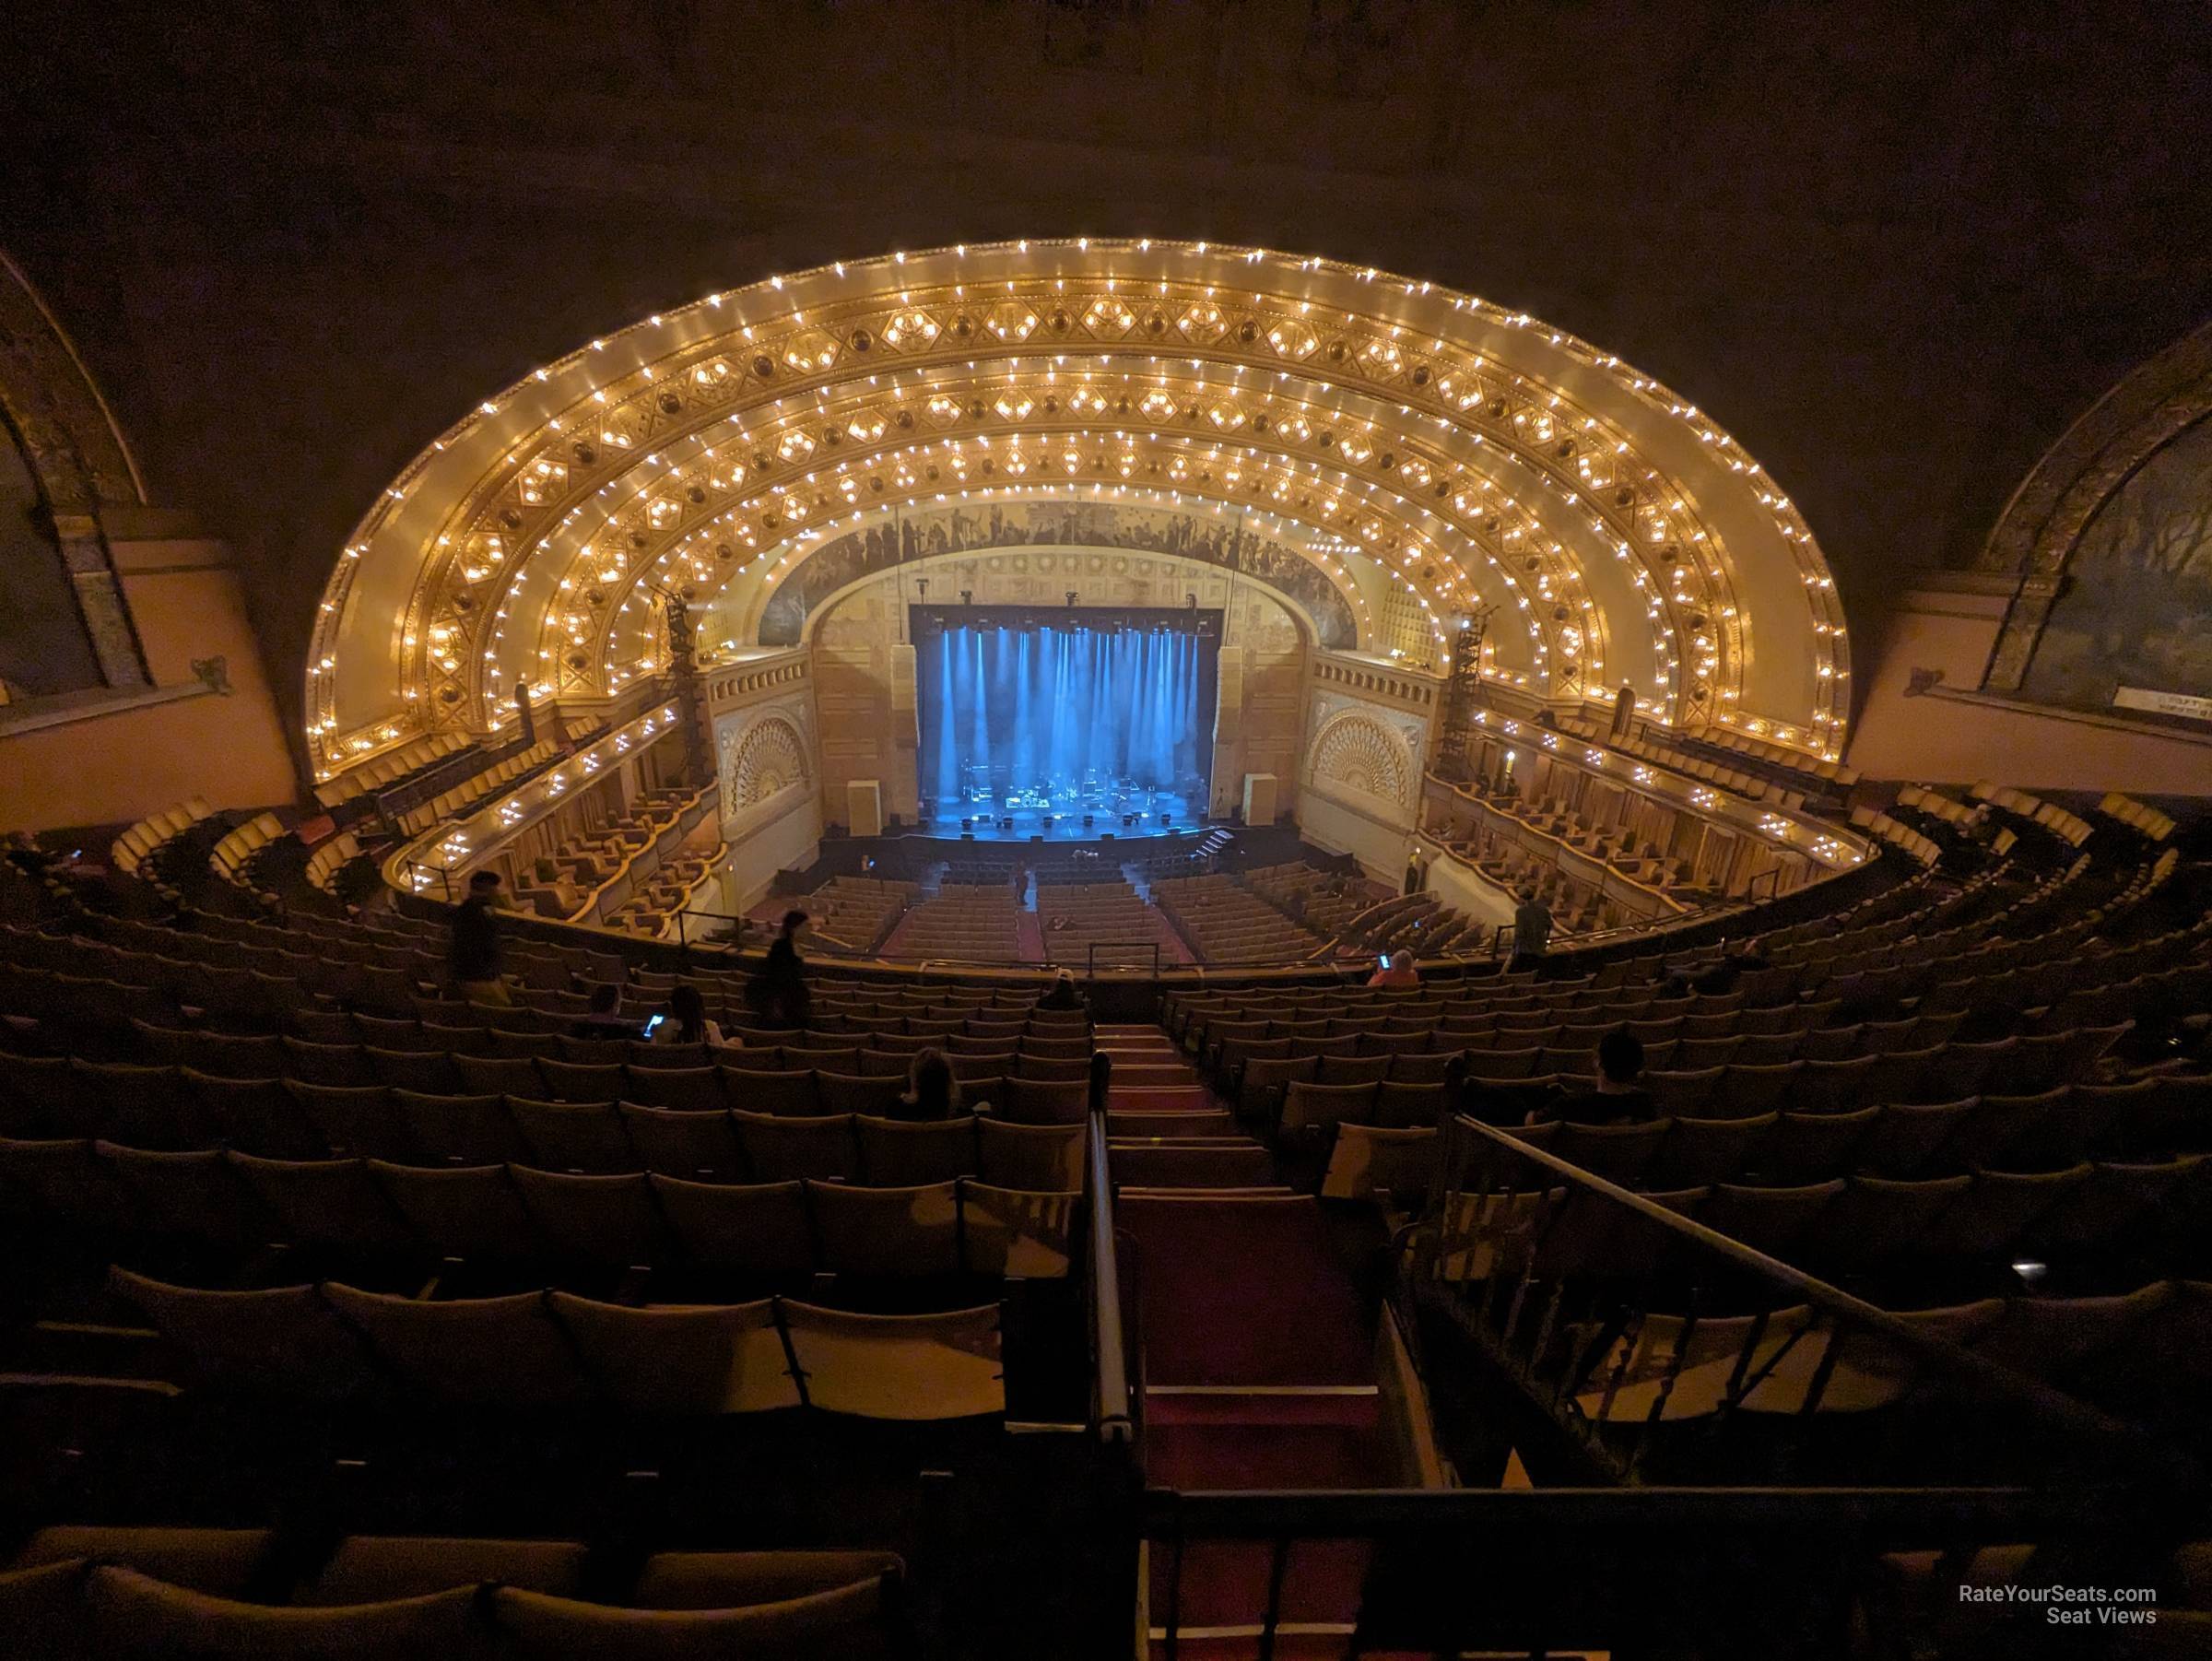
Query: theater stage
x=1154 y=813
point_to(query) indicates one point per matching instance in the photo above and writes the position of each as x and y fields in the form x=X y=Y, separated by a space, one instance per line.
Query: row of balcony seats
x=2142 y=1120
x=563 y=883
x=2146 y=821
x=2070 y=828
x=1667 y=1370
x=399 y=1222
x=326 y=865
x=1895 y=945
x=1688 y=1036
x=335 y=1342
x=224 y=1593
x=1417 y=925
x=1226 y=923
x=1899 y=835
x=668 y=890
x=158 y=1106
x=1575 y=907
x=232 y=857
x=462 y=798
x=1756 y=769
x=735 y=1126
x=391 y=769
x=137 y=850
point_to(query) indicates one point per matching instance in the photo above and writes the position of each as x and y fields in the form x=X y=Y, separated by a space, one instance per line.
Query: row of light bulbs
x=1386 y=359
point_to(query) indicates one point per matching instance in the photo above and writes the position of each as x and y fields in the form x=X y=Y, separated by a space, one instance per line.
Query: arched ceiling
x=1405 y=438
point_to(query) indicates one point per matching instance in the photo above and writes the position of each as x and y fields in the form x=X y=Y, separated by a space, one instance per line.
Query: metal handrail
x=1253 y=1514
x=2000 y=1381
x=1109 y=1354
x=1090 y=955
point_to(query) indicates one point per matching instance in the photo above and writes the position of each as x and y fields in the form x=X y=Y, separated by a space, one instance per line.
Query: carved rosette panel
x=1362 y=754
x=762 y=760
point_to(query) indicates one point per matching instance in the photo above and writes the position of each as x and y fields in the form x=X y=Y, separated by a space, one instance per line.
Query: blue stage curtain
x=1057 y=704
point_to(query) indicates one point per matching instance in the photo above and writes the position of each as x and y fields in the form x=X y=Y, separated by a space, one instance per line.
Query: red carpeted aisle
x=1259 y=1374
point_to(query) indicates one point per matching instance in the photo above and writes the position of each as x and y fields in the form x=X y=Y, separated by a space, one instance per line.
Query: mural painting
x=903 y=536
x=2132 y=626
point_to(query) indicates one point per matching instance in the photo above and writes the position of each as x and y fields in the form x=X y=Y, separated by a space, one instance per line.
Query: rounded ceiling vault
x=1421 y=447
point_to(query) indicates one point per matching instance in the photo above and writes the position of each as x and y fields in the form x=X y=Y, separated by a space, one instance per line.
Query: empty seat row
x=332 y=1342
x=165 y=1107
x=2054 y=1130
x=224 y=1593
x=405 y=1127
x=767 y=1235
x=1843 y=1225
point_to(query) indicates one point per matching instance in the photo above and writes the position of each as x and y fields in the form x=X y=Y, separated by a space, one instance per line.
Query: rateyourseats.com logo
x=2075 y=1606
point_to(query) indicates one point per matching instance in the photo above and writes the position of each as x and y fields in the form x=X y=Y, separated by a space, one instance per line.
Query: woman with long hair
x=687 y=1022
x=932 y=1092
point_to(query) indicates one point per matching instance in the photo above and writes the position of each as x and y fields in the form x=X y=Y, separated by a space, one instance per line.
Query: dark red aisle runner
x=1259 y=1373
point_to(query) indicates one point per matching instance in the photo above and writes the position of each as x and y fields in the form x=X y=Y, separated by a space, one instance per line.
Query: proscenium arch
x=1455 y=451
x=1185 y=569
x=1300 y=598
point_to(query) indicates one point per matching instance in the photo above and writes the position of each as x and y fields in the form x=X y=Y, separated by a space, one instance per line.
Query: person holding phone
x=685 y=1020
x=1394 y=969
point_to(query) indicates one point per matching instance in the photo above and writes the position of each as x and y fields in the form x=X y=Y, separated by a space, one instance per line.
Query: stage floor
x=1184 y=814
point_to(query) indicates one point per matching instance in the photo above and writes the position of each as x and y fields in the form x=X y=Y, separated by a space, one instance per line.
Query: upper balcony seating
x=392 y=770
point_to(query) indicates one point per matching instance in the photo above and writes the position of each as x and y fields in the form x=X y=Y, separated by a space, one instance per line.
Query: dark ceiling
x=1893 y=248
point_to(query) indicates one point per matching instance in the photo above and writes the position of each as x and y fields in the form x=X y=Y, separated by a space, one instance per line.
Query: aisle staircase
x=1258 y=1363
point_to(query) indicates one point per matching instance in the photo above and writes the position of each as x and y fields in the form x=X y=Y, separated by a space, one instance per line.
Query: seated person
x=1618 y=1096
x=1062 y=994
x=1394 y=969
x=605 y=1018
x=1721 y=979
x=685 y=1020
x=932 y=1092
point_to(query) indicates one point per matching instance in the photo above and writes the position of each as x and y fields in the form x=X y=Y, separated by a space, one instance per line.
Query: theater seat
x=279 y=1342
x=220 y=1561
x=494 y=1352
x=1015 y=1233
x=678 y=1359
x=838 y=1625
x=377 y=1568
x=906 y=1367
x=135 y=1617
x=42 y=1610
x=723 y=1580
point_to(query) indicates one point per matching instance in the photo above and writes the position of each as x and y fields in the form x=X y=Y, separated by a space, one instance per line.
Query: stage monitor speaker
x=967 y=824
x=1128 y=820
x=1105 y=836
x=1259 y=798
x=967 y=836
x=1007 y=823
x=1036 y=837
x=863 y=807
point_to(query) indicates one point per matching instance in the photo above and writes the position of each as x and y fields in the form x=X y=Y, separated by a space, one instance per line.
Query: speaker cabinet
x=863 y=807
x=1259 y=798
